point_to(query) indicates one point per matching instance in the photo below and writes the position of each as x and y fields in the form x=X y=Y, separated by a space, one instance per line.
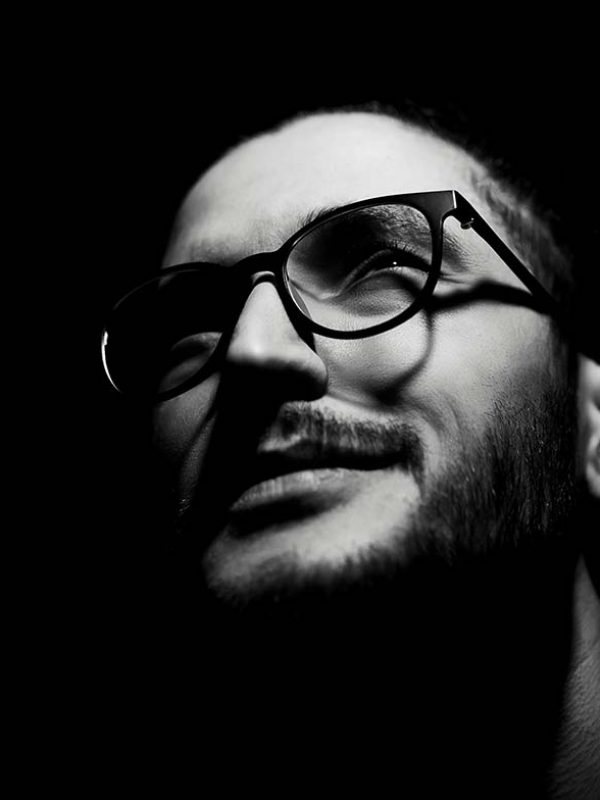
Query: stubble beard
x=470 y=623
x=511 y=490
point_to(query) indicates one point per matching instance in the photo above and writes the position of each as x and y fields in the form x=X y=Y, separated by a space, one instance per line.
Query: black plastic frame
x=435 y=206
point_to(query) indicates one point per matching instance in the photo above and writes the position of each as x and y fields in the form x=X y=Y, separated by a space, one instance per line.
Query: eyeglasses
x=353 y=272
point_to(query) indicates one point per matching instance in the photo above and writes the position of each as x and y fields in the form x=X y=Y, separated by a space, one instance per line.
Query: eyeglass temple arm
x=469 y=218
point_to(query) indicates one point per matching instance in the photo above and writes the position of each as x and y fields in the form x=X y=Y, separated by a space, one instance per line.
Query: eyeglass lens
x=362 y=268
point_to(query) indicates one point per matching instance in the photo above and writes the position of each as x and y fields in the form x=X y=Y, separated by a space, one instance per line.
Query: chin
x=299 y=555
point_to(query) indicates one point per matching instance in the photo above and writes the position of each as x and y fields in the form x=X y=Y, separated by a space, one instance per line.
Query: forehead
x=257 y=193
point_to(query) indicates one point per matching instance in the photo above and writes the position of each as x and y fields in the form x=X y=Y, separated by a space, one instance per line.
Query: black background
x=147 y=136
x=124 y=120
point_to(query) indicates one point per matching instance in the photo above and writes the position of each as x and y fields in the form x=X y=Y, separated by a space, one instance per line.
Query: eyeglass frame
x=436 y=207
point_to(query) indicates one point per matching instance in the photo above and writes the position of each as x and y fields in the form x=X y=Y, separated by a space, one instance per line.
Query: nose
x=266 y=347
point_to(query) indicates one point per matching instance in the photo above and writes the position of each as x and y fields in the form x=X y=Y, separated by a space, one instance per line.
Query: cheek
x=493 y=347
x=371 y=371
x=447 y=375
x=181 y=425
x=488 y=357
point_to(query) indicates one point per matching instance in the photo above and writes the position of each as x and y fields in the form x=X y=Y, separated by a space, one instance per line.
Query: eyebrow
x=205 y=249
x=316 y=214
x=451 y=243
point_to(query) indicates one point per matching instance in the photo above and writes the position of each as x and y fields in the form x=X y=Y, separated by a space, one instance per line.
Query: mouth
x=307 y=489
x=292 y=482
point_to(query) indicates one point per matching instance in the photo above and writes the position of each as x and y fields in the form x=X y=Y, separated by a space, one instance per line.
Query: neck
x=576 y=770
x=451 y=680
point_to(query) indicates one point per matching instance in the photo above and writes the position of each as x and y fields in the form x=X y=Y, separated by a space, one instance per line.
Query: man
x=375 y=471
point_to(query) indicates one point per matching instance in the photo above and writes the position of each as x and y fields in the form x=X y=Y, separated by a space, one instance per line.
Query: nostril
x=275 y=382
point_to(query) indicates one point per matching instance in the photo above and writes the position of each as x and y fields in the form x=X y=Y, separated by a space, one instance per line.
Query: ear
x=589 y=423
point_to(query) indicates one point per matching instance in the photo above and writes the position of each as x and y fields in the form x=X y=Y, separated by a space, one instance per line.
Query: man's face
x=362 y=442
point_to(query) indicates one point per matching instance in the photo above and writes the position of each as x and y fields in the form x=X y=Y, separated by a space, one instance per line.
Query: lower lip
x=306 y=490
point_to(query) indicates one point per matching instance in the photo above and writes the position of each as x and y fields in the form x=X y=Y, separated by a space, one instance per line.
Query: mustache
x=304 y=432
x=326 y=432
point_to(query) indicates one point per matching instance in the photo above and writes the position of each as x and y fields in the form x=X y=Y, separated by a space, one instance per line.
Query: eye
x=193 y=347
x=187 y=356
x=391 y=259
